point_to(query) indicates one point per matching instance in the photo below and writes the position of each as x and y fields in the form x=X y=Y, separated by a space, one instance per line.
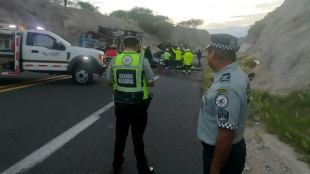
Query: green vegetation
x=88 y=6
x=192 y=23
x=153 y=24
x=77 y=4
x=246 y=62
x=256 y=30
x=288 y=116
x=157 y=25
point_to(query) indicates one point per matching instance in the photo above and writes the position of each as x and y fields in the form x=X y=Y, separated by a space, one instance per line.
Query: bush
x=150 y=23
x=286 y=116
x=256 y=30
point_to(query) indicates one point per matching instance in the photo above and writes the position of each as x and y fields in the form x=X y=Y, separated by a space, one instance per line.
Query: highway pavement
x=49 y=125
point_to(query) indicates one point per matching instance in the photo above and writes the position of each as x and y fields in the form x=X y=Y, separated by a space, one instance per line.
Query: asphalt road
x=31 y=116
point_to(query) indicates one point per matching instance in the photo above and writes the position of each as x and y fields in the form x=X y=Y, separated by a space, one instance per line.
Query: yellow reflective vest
x=128 y=80
x=178 y=54
x=188 y=58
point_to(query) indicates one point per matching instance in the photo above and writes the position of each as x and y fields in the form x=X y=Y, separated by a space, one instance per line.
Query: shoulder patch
x=225 y=77
x=223 y=116
x=222 y=91
x=221 y=101
x=127 y=60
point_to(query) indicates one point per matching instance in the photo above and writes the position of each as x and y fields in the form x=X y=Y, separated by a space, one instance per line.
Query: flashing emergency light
x=40 y=28
x=12 y=26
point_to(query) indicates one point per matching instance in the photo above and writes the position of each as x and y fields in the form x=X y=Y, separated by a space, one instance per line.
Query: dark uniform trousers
x=134 y=115
x=234 y=163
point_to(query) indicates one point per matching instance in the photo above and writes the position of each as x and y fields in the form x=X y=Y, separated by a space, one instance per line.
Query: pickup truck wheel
x=82 y=75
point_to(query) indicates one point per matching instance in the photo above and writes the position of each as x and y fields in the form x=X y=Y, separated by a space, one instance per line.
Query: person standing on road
x=225 y=109
x=167 y=58
x=178 y=57
x=148 y=55
x=199 y=53
x=130 y=74
x=188 y=60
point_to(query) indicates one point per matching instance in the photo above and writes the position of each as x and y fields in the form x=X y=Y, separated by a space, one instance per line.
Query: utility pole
x=65 y=1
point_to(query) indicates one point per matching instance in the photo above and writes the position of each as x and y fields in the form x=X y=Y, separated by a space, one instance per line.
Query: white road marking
x=52 y=146
x=49 y=148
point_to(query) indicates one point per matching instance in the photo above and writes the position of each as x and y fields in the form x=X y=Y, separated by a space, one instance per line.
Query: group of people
x=182 y=59
x=223 y=113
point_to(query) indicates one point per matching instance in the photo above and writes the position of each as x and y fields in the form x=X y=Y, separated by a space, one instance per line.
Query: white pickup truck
x=45 y=52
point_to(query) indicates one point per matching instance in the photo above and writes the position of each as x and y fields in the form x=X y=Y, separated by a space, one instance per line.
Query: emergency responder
x=130 y=75
x=188 y=60
x=167 y=58
x=178 y=57
x=225 y=109
x=110 y=54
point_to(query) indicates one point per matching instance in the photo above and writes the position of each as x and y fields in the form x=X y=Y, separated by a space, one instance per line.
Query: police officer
x=130 y=74
x=225 y=109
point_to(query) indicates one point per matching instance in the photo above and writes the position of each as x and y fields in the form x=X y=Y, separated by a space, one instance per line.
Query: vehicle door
x=43 y=52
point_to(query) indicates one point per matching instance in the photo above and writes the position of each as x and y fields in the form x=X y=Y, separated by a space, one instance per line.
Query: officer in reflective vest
x=130 y=74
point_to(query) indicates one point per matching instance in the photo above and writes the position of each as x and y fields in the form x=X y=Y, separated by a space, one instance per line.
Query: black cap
x=223 y=41
x=130 y=35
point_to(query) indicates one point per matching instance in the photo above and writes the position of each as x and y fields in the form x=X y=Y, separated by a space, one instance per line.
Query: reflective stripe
x=128 y=67
x=140 y=60
x=128 y=89
x=139 y=76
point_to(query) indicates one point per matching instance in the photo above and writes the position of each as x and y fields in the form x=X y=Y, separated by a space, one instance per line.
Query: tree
x=192 y=23
x=196 y=22
x=88 y=6
x=136 y=12
x=154 y=24
x=120 y=14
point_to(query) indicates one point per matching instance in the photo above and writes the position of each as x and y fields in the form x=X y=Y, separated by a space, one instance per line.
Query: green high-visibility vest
x=166 y=55
x=128 y=78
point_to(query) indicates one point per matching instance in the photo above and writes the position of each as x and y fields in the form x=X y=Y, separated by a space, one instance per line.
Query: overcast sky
x=216 y=13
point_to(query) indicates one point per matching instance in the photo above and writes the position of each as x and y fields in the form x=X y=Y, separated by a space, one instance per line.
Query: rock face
x=69 y=23
x=282 y=46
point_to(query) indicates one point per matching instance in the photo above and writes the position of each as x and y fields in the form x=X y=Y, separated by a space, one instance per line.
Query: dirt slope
x=282 y=48
x=69 y=23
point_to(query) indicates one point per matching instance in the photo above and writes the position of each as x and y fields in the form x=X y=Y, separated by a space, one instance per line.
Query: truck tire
x=82 y=75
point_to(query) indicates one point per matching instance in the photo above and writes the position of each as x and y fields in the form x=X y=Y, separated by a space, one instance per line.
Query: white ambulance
x=45 y=52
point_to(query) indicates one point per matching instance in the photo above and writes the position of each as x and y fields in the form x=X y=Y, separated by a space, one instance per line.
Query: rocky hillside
x=69 y=23
x=281 y=43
